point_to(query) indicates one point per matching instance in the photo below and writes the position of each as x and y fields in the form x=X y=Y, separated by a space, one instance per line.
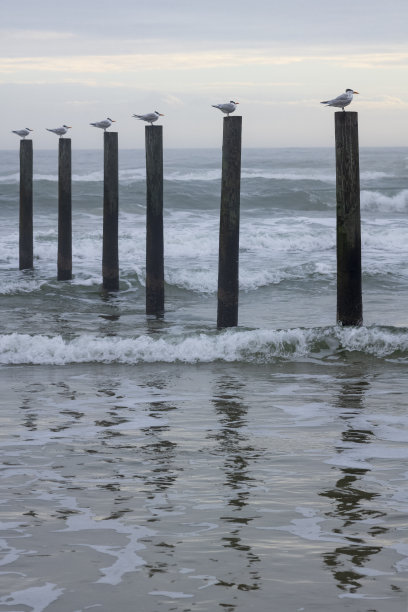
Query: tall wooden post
x=64 y=263
x=349 y=291
x=110 y=248
x=154 y=221
x=228 y=262
x=26 y=205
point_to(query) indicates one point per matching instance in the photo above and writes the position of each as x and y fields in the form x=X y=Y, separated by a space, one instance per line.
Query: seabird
x=60 y=131
x=342 y=100
x=226 y=108
x=104 y=124
x=22 y=133
x=149 y=117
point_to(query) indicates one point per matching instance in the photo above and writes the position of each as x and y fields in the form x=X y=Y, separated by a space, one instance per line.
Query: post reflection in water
x=353 y=502
x=233 y=446
x=158 y=452
x=158 y=455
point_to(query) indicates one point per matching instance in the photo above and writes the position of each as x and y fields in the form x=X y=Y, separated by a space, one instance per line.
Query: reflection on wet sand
x=353 y=502
x=238 y=454
x=158 y=455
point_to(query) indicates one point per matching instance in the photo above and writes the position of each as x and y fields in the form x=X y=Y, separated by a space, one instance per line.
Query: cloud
x=131 y=62
x=172 y=100
x=33 y=35
x=385 y=102
x=199 y=60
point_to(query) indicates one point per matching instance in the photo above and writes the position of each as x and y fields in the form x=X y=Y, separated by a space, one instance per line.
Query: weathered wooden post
x=228 y=261
x=110 y=248
x=349 y=292
x=64 y=263
x=154 y=221
x=26 y=205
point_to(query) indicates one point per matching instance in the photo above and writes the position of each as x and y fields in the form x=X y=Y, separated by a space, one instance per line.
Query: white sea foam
x=10 y=179
x=171 y=594
x=308 y=528
x=20 y=285
x=205 y=174
x=127 y=557
x=312 y=175
x=377 y=201
x=259 y=346
x=36 y=599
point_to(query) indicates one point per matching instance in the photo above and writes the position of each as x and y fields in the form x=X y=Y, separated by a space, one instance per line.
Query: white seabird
x=342 y=100
x=22 y=133
x=149 y=117
x=226 y=108
x=104 y=124
x=60 y=131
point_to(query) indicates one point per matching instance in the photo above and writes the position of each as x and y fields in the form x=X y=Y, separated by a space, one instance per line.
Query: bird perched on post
x=104 y=124
x=60 y=131
x=149 y=117
x=22 y=133
x=342 y=100
x=226 y=108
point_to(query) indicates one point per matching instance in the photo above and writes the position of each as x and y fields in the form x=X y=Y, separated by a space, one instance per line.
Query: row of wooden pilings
x=348 y=228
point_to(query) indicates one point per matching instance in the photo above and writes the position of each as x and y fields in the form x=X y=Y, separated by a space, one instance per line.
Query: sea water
x=159 y=464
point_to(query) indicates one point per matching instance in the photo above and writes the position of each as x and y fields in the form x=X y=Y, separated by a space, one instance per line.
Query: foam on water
x=36 y=598
x=379 y=202
x=207 y=175
x=258 y=346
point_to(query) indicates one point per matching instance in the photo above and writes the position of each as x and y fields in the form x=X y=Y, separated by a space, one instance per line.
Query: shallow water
x=205 y=487
x=164 y=465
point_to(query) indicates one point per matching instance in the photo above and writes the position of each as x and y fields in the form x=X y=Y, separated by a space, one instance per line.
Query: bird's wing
x=147 y=117
x=341 y=98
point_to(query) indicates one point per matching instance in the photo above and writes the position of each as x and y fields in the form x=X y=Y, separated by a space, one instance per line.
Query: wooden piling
x=64 y=262
x=26 y=257
x=349 y=291
x=110 y=248
x=154 y=221
x=228 y=261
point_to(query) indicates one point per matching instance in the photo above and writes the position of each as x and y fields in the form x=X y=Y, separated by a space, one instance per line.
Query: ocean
x=160 y=464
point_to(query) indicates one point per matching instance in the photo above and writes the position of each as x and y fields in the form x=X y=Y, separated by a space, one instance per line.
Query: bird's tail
x=214 y=105
x=49 y=130
x=325 y=102
x=138 y=116
x=92 y=124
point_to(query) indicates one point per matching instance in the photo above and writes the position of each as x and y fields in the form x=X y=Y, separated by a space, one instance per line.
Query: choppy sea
x=161 y=464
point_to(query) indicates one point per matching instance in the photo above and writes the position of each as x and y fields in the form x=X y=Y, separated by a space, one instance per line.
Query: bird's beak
x=69 y=126
x=355 y=92
x=236 y=102
x=161 y=114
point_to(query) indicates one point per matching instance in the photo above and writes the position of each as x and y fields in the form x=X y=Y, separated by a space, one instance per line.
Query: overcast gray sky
x=80 y=61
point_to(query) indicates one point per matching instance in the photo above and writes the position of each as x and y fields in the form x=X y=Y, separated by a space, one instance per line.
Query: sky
x=84 y=60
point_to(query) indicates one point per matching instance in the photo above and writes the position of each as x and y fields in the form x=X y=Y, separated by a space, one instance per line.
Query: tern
x=22 y=133
x=342 y=100
x=227 y=108
x=149 y=117
x=104 y=124
x=60 y=131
